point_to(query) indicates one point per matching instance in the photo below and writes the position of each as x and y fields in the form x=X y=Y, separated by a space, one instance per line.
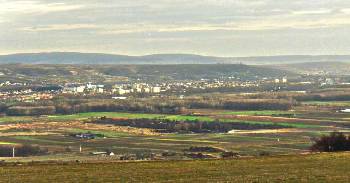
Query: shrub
x=336 y=141
x=264 y=153
x=229 y=154
x=24 y=150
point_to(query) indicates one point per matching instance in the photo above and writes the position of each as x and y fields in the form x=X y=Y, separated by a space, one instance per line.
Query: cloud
x=59 y=27
x=74 y=23
x=169 y=16
x=256 y=25
x=313 y=12
x=345 y=10
x=29 y=7
x=147 y=27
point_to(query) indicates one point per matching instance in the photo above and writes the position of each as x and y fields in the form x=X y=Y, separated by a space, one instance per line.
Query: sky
x=206 y=27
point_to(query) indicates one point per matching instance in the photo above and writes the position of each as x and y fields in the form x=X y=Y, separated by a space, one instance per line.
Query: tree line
x=185 y=126
x=22 y=151
x=336 y=141
x=165 y=106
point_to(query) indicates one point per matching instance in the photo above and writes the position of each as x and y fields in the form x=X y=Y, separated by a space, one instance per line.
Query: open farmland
x=53 y=132
x=165 y=135
x=301 y=168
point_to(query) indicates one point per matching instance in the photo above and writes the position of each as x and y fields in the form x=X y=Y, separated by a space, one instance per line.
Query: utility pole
x=13 y=152
x=80 y=149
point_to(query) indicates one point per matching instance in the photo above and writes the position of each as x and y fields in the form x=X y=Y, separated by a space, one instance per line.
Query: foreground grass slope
x=298 y=168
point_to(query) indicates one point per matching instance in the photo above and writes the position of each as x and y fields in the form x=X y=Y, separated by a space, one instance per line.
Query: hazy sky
x=208 y=27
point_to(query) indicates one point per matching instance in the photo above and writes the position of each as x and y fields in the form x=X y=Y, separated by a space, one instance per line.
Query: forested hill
x=188 y=71
x=99 y=58
x=195 y=71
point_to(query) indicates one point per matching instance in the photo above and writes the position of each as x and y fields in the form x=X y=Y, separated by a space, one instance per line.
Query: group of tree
x=336 y=141
x=144 y=105
x=341 y=95
x=22 y=151
x=81 y=106
x=243 y=104
x=185 y=126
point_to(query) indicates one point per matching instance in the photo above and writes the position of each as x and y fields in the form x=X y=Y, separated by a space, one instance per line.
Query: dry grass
x=298 y=168
x=63 y=126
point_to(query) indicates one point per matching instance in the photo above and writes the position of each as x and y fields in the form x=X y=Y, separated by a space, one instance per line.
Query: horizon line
x=150 y=54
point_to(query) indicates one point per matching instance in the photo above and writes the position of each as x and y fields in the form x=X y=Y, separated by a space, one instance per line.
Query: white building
x=120 y=91
x=74 y=89
x=284 y=80
x=119 y=98
x=100 y=90
x=80 y=89
x=156 y=89
x=146 y=90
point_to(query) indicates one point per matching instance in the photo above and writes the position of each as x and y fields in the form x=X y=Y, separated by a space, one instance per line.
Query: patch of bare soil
x=49 y=127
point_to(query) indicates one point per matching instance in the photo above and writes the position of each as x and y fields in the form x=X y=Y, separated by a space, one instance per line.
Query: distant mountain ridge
x=101 y=58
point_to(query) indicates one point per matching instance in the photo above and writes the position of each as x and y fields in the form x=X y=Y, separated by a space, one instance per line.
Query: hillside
x=148 y=72
x=195 y=71
x=333 y=68
x=99 y=58
x=297 y=168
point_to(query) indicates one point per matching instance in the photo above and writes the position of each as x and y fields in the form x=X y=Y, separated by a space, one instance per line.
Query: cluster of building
x=124 y=89
x=26 y=95
x=283 y=80
x=174 y=86
x=9 y=83
x=77 y=88
x=178 y=86
x=121 y=91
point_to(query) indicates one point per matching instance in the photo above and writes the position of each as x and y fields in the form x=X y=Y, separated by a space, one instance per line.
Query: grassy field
x=328 y=103
x=296 y=168
x=85 y=116
x=260 y=113
x=52 y=132
x=82 y=116
x=120 y=143
x=17 y=119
